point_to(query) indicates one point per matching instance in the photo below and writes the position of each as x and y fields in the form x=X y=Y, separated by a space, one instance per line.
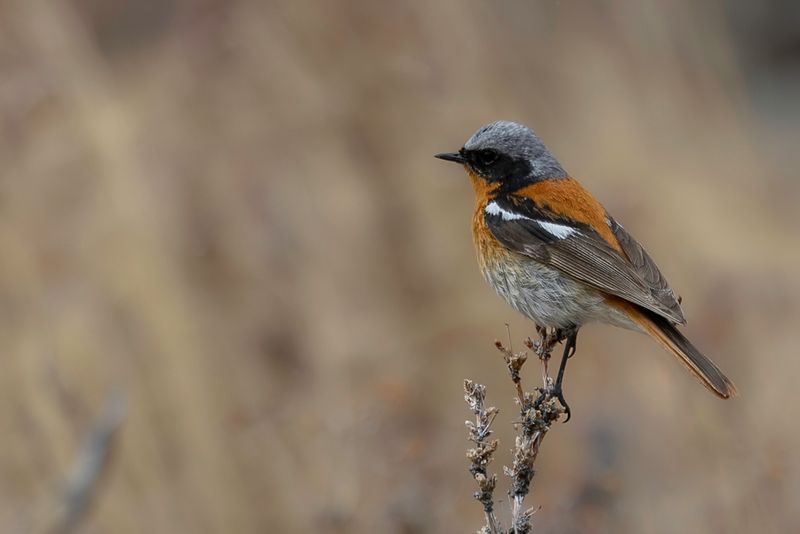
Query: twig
x=538 y=411
x=481 y=455
x=81 y=485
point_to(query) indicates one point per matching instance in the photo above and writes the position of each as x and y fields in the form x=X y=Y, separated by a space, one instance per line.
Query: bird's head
x=506 y=154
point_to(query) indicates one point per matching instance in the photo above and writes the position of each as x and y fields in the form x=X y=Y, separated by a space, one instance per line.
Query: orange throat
x=483 y=189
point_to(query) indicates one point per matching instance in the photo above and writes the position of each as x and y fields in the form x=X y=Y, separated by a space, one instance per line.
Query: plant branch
x=538 y=411
x=481 y=455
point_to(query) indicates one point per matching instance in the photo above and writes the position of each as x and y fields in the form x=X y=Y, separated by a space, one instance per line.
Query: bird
x=550 y=249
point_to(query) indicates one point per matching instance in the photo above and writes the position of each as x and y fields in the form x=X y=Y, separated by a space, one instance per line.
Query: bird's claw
x=559 y=394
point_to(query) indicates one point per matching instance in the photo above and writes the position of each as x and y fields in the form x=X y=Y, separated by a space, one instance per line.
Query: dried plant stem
x=538 y=411
x=481 y=455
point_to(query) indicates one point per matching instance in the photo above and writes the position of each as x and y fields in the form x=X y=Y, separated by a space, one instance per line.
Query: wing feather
x=584 y=255
x=648 y=271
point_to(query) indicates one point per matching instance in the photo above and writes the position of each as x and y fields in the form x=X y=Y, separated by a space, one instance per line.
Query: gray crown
x=519 y=142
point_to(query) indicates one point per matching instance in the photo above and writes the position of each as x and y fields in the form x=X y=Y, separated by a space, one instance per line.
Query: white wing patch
x=559 y=231
x=493 y=208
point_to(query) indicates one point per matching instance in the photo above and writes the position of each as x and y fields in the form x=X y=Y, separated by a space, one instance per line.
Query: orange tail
x=671 y=339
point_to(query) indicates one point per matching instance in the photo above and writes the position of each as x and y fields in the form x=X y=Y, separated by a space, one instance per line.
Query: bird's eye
x=487 y=157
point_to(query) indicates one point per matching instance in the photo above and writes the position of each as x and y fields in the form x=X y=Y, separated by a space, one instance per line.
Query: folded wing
x=580 y=252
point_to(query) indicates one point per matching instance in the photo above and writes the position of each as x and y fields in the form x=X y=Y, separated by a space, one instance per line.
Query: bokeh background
x=238 y=294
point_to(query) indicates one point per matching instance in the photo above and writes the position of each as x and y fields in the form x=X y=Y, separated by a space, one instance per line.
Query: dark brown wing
x=648 y=270
x=578 y=251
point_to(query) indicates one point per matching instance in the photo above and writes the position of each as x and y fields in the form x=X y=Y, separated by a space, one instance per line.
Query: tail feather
x=698 y=364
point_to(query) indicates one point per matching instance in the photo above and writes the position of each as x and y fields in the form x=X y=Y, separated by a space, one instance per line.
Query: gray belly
x=548 y=297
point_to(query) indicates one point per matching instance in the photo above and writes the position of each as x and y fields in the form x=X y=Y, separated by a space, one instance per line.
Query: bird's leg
x=569 y=351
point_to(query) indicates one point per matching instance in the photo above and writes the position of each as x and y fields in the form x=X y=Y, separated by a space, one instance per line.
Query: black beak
x=451 y=156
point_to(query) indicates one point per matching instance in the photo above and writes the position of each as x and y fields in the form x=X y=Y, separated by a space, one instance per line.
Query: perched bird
x=551 y=250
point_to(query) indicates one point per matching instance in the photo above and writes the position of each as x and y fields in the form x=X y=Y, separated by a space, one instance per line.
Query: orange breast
x=488 y=248
x=490 y=251
x=568 y=198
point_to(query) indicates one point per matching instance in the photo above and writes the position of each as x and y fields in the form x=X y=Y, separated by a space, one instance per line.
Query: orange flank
x=568 y=198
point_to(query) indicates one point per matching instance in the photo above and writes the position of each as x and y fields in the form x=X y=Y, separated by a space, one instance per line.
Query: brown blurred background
x=238 y=294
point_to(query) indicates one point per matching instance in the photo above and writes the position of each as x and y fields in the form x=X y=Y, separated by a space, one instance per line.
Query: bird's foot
x=559 y=394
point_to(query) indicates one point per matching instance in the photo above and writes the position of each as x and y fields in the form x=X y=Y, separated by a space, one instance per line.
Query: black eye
x=487 y=157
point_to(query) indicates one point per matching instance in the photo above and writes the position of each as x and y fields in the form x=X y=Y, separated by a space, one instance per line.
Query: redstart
x=551 y=250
